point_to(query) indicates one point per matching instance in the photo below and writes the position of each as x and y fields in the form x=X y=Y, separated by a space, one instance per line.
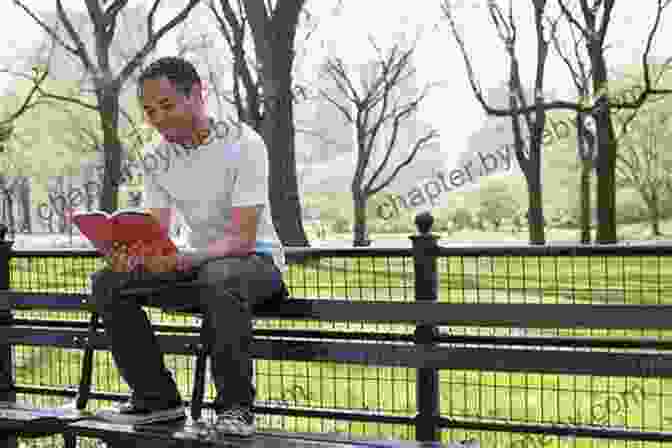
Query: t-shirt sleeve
x=250 y=187
x=155 y=196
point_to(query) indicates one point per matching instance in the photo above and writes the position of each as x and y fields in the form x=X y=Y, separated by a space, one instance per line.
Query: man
x=219 y=183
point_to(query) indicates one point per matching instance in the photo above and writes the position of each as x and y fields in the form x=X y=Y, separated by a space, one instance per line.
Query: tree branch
x=418 y=144
x=153 y=38
x=26 y=104
x=49 y=31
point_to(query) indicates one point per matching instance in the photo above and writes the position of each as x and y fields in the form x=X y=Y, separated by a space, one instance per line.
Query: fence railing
x=561 y=340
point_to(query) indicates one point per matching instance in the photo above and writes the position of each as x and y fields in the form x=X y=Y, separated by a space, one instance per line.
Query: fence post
x=7 y=393
x=426 y=289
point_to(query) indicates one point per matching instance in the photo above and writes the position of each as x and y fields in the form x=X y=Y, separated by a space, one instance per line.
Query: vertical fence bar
x=426 y=289
x=7 y=393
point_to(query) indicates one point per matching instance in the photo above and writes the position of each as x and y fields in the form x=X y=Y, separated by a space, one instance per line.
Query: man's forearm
x=230 y=246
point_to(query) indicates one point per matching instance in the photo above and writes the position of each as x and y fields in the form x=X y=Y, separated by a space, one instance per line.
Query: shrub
x=341 y=225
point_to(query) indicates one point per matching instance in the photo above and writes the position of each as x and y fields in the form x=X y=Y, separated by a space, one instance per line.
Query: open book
x=126 y=226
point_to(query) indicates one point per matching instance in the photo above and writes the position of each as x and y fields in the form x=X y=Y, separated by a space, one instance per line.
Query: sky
x=452 y=109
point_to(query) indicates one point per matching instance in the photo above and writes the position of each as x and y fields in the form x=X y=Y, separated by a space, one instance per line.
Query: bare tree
x=643 y=163
x=107 y=85
x=594 y=32
x=264 y=94
x=7 y=123
x=585 y=137
x=20 y=181
x=39 y=75
x=528 y=156
x=81 y=134
x=377 y=107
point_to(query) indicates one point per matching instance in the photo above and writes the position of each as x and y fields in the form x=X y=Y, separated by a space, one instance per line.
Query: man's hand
x=118 y=259
x=160 y=263
x=123 y=257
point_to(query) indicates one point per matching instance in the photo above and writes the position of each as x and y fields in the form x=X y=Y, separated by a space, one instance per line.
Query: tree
x=7 y=134
x=74 y=141
x=643 y=163
x=107 y=86
x=264 y=94
x=587 y=137
x=528 y=155
x=594 y=32
x=371 y=112
x=497 y=204
x=594 y=35
x=7 y=122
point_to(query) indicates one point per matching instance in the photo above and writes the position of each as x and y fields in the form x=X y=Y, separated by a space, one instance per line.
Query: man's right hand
x=118 y=258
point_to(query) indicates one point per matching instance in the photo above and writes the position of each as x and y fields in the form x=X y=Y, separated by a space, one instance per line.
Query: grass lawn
x=632 y=402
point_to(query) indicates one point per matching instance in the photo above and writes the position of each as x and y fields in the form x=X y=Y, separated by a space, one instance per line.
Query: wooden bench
x=508 y=354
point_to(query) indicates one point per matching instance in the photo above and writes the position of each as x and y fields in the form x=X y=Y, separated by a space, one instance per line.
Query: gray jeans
x=233 y=285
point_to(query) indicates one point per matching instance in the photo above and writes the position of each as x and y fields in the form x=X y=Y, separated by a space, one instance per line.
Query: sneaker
x=130 y=413
x=237 y=421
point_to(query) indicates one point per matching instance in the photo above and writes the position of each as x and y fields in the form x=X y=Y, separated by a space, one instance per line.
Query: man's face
x=171 y=113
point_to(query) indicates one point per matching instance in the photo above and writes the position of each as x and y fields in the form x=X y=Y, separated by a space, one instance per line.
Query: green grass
x=503 y=396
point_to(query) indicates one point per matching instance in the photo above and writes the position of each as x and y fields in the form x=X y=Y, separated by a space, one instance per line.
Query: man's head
x=170 y=92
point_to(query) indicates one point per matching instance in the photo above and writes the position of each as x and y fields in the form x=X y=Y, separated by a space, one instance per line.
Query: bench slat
x=506 y=315
x=29 y=421
x=553 y=361
x=20 y=300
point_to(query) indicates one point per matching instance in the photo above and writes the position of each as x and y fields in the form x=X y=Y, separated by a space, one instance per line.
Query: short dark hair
x=181 y=73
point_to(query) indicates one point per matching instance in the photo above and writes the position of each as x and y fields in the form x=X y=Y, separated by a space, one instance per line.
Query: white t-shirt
x=204 y=183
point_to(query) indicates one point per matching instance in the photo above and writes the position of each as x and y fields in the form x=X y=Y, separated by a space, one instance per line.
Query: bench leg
x=70 y=440
x=199 y=384
x=87 y=365
x=8 y=440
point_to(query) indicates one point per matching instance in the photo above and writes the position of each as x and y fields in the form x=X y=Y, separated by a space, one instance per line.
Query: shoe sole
x=166 y=415
x=225 y=431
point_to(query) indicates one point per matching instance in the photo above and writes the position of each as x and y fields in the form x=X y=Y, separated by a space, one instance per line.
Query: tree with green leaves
x=497 y=203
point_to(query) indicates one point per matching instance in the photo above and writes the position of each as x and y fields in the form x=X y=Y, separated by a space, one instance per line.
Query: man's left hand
x=160 y=263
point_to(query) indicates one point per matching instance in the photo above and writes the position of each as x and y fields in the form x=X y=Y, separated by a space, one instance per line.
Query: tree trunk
x=606 y=153
x=60 y=211
x=360 y=230
x=653 y=205
x=585 y=220
x=535 y=215
x=24 y=198
x=10 y=215
x=278 y=134
x=7 y=205
x=108 y=101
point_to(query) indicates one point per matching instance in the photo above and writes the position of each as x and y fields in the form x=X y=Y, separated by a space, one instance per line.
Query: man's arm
x=238 y=240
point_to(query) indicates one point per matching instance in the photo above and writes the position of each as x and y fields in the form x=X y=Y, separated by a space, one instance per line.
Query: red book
x=126 y=227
